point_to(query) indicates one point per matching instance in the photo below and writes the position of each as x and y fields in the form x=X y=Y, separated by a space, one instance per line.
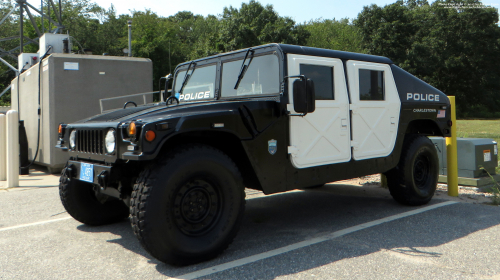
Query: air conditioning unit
x=54 y=40
x=476 y=156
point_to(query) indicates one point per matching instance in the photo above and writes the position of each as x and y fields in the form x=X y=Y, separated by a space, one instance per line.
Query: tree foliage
x=455 y=50
x=334 y=34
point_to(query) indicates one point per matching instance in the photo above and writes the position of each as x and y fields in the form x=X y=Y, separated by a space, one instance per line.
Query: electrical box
x=71 y=87
x=473 y=153
x=54 y=40
x=26 y=60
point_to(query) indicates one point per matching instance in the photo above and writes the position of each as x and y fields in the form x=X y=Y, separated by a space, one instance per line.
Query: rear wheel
x=188 y=206
x=414 y=180
x=81 y=202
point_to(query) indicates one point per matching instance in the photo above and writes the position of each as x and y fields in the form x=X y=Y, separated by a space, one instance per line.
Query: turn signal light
x=150 y=135
x=132 y=129
x=61 y=129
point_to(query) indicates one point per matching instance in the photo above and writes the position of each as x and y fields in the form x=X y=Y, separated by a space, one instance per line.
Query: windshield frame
x=234 y=56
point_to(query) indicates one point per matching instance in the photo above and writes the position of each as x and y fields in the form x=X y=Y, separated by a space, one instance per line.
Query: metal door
x=321 y=137
x=374 y=122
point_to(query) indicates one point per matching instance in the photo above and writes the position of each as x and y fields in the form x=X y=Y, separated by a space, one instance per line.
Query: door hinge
x=293 y=150
x=355 y=145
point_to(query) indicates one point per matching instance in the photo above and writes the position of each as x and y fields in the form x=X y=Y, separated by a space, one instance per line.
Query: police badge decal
x=272 y=146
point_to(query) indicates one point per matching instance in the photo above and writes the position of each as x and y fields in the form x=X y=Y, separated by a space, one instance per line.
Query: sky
x=300 y=11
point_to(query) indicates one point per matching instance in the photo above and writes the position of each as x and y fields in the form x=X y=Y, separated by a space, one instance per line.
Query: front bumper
x=102 y=175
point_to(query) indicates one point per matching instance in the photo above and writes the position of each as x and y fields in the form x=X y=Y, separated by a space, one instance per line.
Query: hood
x=160 y=111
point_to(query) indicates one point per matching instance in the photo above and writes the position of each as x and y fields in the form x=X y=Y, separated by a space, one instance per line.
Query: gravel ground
x=465 y=193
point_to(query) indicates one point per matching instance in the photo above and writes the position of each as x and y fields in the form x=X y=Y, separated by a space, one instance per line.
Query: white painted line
x=305 y=243
x=259 y=194
x=35 y=224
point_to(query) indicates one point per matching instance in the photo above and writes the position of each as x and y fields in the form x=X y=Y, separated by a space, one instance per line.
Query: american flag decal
x=441 y=113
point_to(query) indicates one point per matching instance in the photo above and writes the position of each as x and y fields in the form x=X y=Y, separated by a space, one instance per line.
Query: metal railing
x=147 y=97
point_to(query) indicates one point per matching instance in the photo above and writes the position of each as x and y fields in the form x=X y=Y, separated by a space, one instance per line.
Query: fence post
x=12 y=149
x=451 y=151
x=3 y=150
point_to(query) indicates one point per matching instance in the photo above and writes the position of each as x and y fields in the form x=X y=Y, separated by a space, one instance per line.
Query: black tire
x=413 y=181
x=188 y=206
x=80 y=201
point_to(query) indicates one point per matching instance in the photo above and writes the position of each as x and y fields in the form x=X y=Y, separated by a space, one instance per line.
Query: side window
x=322 y=77
x=261 y=77
x=371 y=85
x=199 y=86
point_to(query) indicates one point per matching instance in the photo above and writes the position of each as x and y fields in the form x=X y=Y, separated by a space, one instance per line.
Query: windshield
x=200 y=86
x=261 y=76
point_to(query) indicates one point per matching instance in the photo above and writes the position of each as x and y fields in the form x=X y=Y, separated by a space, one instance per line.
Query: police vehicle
x=272 y=118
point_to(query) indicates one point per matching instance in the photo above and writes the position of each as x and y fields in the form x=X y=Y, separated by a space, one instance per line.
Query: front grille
x=90 y=141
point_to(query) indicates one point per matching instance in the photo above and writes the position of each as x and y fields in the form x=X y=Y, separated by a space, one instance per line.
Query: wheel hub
x=421 y=171
x=196 y=207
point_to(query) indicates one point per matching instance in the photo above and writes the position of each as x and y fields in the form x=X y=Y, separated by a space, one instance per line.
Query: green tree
x=334 y=34
x=254 y=24
x=454 y=50
x=9 y=28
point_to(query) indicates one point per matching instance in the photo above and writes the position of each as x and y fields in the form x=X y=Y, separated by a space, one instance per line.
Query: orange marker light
x=132 y=129
x=150 y=135
x=60 y=129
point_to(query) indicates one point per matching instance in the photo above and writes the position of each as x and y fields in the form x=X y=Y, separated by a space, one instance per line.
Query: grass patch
x=479 y=129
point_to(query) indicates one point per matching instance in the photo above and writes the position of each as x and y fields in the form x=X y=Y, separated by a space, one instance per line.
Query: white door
x=375 y=109
x=321 y=137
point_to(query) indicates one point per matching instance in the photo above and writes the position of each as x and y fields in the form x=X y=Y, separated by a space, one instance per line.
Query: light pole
x=129 y=37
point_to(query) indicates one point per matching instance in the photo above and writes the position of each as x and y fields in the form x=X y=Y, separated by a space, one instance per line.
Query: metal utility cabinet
x=71 y=87
x=473 y=153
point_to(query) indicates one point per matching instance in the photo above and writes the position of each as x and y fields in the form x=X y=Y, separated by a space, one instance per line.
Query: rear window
x=371 y=85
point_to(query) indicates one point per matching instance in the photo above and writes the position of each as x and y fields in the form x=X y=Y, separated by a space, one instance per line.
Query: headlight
x=110 y=141
x=72 y=139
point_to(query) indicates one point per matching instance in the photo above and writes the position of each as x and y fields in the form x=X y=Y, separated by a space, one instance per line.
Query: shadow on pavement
x=276 y=221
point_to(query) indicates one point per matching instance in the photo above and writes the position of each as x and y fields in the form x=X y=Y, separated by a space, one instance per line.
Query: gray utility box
x=473 y=153
x=71 y=89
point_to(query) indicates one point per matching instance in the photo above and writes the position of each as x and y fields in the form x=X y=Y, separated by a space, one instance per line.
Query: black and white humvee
x=273 y=118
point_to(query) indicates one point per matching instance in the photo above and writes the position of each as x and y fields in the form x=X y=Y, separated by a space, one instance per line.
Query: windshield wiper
x=244 y=68
x=188 y=76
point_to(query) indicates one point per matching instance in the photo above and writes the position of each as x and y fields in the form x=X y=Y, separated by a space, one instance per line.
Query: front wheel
x=414 y=180
x=188 y=206
x=81 y=202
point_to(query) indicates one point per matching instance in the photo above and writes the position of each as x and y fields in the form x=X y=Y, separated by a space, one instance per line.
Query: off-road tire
x=187 y=207
x=80 y=201
x=413 y=181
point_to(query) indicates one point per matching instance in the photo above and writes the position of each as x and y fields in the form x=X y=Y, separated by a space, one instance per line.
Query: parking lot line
x=34 y=224
x=305 y=243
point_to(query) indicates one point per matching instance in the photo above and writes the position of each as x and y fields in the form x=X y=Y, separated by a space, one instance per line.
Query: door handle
x=343 y=122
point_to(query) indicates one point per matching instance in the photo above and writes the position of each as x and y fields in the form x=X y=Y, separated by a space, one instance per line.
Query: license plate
x=87 y=172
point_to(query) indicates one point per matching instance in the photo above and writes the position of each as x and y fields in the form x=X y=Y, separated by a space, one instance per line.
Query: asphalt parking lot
x=334 y=232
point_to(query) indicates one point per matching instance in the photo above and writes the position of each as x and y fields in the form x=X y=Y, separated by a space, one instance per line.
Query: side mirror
x=304 y=96
x=166 y=78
